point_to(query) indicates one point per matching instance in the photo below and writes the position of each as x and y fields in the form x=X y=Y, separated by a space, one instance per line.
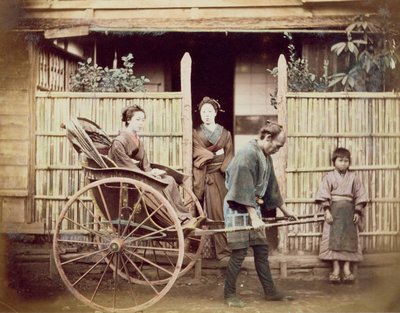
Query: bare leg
x=346 y=268
x=336 y=267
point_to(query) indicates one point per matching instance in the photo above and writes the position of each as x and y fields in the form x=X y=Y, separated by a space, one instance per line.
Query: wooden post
x=282 y=156
x=187 y=125
x=30 y=213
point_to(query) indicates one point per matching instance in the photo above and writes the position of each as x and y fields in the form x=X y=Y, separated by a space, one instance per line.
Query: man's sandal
x=235 y=302
x=348 y=279
x=279 y=296
x=334 y=279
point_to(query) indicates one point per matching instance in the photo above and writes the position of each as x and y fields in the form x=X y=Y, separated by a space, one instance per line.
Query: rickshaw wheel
x=95 y=243
x=193 y=244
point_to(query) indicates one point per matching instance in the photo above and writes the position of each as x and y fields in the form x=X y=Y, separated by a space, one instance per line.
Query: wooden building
x=231 y=43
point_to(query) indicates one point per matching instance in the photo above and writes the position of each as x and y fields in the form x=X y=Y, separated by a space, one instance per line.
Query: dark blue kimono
x=249 y=176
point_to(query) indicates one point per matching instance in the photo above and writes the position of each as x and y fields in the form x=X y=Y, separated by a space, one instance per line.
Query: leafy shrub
x=369 y=51
x=94 y=78
x=300 y=78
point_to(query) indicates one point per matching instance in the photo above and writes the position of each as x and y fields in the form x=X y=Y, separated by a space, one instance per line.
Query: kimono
x=343 y=194
x=126 y=148
x=209 y=175
x=249 y=176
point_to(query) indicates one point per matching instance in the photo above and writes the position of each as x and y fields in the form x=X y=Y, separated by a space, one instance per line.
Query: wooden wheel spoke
x=150 y=234
x=90 y=230
x=142 y=274
x=90 y=269
x=143 y=222
x=149 y=262
x=84 y=256
x=115 y=276
x=127 y=274
x=101 y=279
x=105 y=206
x=167 y=256
x=132 y=215
x=90 y=211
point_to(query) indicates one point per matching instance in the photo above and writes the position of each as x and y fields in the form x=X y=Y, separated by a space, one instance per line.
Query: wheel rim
x=107 y=248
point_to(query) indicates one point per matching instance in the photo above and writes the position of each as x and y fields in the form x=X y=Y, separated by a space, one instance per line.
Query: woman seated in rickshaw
x=127 y=150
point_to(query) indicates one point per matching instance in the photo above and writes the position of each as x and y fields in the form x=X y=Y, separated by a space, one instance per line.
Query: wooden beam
x=156 y=4
x=76 y=31
x=22 y=228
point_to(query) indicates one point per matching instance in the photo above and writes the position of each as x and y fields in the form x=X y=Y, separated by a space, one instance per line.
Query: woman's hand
x=156 y=172
x=328 y=216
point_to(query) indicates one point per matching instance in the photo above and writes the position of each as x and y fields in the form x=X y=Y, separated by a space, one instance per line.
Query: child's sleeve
x=360 y=197
x=323 y=195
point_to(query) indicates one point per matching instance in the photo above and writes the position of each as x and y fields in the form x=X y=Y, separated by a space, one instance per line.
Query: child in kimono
x=342 y=197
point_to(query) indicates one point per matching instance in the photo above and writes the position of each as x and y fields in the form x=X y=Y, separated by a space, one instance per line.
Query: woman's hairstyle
x=341 y=153
x=213 y=102
x=270 y=128
x=129 y=111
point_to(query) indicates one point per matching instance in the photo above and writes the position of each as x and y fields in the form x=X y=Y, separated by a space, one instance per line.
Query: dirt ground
x=27 y=287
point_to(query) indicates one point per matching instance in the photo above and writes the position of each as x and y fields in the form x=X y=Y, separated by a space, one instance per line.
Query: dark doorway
x=213 y=63
x=213 y=76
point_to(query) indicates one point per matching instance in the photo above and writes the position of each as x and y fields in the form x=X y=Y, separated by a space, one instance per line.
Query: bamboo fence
x=55 y=70
x=368 y=124
x=57 y=168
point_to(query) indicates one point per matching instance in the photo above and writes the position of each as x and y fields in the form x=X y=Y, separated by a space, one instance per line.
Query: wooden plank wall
x=368 y=125
x=15 y=129
x=58 y=172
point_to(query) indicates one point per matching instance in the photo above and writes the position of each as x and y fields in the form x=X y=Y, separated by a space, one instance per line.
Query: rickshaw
x=118 y=245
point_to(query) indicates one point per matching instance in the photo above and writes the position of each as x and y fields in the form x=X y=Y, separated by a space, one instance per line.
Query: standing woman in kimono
x=212 y=152
x=342 y=197
x=127 y=150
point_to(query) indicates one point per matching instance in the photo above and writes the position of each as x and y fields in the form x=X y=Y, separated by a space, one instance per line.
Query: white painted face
x=136 y=123
x=208 y=114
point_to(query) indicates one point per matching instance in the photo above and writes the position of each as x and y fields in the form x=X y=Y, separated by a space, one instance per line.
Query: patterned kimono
x=249 y=176
x=344 y=194
x=127 y=147
x=209 y=175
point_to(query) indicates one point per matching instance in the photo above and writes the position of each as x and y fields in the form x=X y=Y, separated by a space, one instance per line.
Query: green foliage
x=91 y=77
x=369 y=51
x=300 y=78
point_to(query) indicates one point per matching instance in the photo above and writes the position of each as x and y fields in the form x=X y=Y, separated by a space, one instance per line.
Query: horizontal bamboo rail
x=109 y=95
x=355 y=168
x=344 y=95
x=344 y=135
x=310 y=200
